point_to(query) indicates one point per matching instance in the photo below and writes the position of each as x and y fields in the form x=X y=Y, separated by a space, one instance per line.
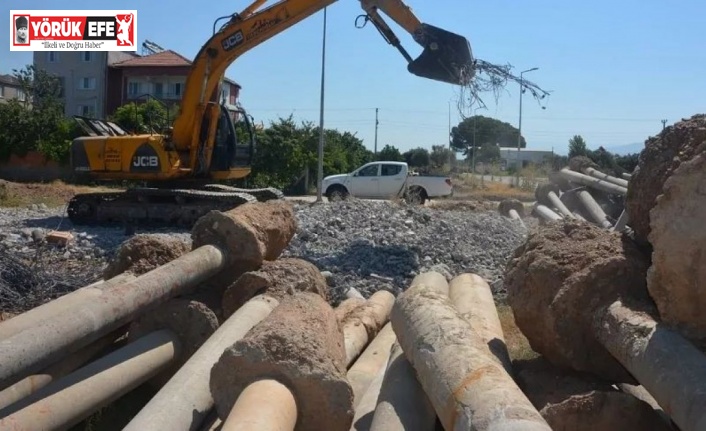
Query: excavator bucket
x=446 y=57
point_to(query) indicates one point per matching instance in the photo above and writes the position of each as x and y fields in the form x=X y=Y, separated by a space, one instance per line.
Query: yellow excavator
x=185 y=171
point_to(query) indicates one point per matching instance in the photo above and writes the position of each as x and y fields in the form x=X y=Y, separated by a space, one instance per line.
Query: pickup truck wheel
x=336 y=194
x=416 y=196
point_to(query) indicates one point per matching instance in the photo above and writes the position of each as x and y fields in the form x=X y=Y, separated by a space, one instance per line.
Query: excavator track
x=262 y=195
x=152 y=206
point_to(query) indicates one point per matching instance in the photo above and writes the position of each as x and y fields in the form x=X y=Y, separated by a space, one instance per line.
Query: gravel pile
x=362 y=244
x=373 y=245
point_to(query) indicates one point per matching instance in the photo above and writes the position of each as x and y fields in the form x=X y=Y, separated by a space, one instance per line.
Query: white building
x=512 y=157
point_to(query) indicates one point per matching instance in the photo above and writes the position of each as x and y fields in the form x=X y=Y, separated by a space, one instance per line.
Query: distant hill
x=626 y=149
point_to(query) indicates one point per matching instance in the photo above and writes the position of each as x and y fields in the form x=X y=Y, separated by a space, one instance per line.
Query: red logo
x=125 y=30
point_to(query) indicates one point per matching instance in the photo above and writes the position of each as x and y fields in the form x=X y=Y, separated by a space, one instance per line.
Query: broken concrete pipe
x=366 y=367
x=288 y=372
x=246 y=240
x=364 y=322
x=578 y=294
x=593 y=209
x=67 y=401
x=276 y=278
x=192 y=321
x=185 y=400
x=402 y=403
x=513 y=209
x=548 y=194
x=545 y=213
x=595 y=183
x=473 y=298
x=468 y=388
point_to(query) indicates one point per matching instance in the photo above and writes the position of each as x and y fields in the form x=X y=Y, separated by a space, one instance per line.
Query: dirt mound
x=579 y=163
x=661 y=156
x=145 y=252
x=677 y=278
x=301 y=345
x=278 y=278
x=558 y=280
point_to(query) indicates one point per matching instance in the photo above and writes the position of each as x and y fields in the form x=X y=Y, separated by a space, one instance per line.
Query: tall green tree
x=577 y=146
x=477 y=130
x=417 y=157
x=441 y=155
x=488 y=153
x=390 y=153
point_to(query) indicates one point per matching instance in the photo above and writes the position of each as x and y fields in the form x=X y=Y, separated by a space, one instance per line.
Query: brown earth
x=346 y=307
x=53 y=194
x=579 y=163
x=250 y=233
x=677 y=278
x=511 y=204
x=301 y=345
x=192 y=322
x=143 y=253
x=661 y=156
x=278 y=278
x=563 y=275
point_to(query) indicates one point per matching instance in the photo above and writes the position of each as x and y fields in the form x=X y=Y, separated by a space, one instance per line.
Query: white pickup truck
x=386 y=180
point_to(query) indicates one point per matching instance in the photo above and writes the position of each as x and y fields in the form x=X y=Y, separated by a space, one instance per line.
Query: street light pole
x=319 y=192
x=519 y=132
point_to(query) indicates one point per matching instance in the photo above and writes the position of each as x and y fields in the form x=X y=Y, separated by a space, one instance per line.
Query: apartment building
x=10 y=89
x=95 y=84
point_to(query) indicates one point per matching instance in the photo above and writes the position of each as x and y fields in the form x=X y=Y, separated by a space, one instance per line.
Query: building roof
x=167 y=58
x=9 y=80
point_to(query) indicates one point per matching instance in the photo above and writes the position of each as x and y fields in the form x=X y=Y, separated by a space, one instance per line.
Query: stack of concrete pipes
x=582 y=192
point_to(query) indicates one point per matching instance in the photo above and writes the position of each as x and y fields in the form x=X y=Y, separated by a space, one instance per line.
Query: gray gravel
x=373 y=245
x=369 y=245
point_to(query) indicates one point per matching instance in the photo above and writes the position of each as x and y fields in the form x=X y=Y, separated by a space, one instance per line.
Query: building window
x=133 y=88
x=178 y=88
x=86 y=56
x=52 y=56
x=87 y=83
x=86 y=110
x=21 y=95
x=158 y=90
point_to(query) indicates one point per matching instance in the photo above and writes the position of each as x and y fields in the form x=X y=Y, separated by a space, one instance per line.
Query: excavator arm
x=446 y=57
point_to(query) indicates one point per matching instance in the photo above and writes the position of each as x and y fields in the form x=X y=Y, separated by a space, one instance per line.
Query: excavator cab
x=446 y=57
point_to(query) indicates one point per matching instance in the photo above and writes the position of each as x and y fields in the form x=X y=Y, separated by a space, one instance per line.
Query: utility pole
x=664 y=124
x=450 y=150
x=519 y=131
x=320 y=178
x=376 y=131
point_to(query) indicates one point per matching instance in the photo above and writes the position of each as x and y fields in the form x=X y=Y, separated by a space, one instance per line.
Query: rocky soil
x=361 y=244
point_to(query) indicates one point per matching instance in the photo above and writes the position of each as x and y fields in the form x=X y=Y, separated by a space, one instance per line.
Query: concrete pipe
x=402 y=403
x=69 y=400
x=513 y=209
x=185 y=400
x=622 y=222
x=545 y=213
x=301 y=345
x=35 y=382
x=71 y=300
x=626 y=176
x=264 y=405
x=664 y=362
x=346 y=307
x=595 y=183
x=472 y=297
x=374 y=357
x=565 y=286
x=548 y=194
x=364 y=322
x=468 y=388
x=595 y=173
x=593 y=209
x=365 y=407
x=71 y=329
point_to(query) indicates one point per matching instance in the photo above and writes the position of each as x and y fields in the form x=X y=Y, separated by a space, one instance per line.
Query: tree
x=577 y=147
x=144 y=116
x=488 y=153
x=441 y=155
x=390 y=153
x=475 y=131
x=417 y=157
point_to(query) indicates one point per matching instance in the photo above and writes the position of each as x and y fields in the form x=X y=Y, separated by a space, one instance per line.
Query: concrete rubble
x=229 y=331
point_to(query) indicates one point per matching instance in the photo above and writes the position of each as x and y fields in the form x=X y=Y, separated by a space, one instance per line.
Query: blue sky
x=615 y=69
